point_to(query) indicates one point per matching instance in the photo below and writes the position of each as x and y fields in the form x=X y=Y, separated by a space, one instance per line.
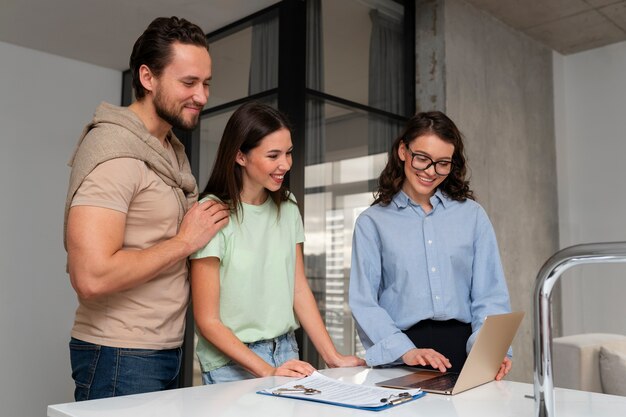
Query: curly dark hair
x=154 y=47
x=244 y=131
x=455 y=186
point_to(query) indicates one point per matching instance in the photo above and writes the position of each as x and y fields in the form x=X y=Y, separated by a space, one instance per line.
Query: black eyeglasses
x=422 y=162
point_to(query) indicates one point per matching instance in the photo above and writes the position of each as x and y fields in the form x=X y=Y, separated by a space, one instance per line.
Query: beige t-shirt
x=152 y=315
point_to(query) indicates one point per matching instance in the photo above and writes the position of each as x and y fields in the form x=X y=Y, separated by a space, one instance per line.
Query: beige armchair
x=577 y=362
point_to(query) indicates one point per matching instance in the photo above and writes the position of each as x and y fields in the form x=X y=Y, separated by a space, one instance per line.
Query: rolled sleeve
x=388 y=350
x=489 y=294
x=383 y=341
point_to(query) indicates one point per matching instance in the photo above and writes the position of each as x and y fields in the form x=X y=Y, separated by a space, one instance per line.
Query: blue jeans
x=102 y=371
x=275 y=352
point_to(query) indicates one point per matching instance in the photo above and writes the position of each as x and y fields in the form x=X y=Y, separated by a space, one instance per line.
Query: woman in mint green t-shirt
x=248 y=284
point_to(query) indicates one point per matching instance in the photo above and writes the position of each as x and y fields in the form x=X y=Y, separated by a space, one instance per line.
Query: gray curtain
x=386 y=79
x=315 y=137
x=264 y=56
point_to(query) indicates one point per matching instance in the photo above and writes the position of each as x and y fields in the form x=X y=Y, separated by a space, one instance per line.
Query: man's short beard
x=175 y=120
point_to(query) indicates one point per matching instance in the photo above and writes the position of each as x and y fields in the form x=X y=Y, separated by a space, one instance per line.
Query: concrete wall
x=498 y=89
x=590 y=98
x=45 y=101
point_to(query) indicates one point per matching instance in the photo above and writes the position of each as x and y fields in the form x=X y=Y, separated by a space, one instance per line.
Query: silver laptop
x=481 y=366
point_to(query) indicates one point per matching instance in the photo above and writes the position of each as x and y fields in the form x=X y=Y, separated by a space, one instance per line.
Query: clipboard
x=322 y=389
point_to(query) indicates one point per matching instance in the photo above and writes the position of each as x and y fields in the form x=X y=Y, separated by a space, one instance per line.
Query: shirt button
x=430 y=242
x=433 y=269
x=436 y=297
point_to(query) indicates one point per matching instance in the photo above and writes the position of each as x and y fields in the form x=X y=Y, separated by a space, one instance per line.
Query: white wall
x=498 y=87
x=590 y=121
x=45 y=101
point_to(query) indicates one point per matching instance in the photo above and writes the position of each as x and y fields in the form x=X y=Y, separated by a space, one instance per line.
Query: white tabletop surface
x=238 y=399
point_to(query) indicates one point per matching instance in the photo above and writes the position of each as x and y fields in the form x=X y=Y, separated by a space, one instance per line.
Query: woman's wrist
x=332 y=359
x=267 y=370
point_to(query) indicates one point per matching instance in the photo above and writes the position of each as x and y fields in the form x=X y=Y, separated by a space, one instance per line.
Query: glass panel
x=245 y=62
x=362 y=61
x=211 y=129
x=230 y=60
x=341 y=173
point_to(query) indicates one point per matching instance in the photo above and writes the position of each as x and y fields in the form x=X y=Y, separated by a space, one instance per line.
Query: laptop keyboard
x=443 y=382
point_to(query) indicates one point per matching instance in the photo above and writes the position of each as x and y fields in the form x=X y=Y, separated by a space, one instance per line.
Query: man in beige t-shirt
x=132 y=218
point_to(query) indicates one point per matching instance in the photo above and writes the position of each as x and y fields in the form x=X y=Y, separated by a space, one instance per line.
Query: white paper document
x=336 y=392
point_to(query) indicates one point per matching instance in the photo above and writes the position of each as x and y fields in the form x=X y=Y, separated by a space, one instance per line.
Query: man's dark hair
x=154 y=46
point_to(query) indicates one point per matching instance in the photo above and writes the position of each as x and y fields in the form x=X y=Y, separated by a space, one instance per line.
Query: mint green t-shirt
x=257 y=253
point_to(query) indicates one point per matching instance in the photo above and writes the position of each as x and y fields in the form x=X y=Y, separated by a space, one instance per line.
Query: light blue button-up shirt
x=409 y=266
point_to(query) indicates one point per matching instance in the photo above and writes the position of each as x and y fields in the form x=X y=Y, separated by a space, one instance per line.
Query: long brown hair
x=455 y=186
x=245 y=129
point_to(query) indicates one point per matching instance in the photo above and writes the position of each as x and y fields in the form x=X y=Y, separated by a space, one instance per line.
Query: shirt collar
x=439 y=195
x=401 y=200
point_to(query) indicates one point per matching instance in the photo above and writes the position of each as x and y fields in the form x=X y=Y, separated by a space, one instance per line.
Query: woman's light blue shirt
x=409 y=266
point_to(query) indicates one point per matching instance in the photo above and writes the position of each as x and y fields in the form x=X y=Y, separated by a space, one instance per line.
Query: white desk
x=239 y=399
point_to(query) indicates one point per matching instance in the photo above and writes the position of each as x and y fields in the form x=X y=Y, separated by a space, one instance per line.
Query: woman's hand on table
x=504 y=368
x=294 y=368
x=426 y=357
x=340 y=361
